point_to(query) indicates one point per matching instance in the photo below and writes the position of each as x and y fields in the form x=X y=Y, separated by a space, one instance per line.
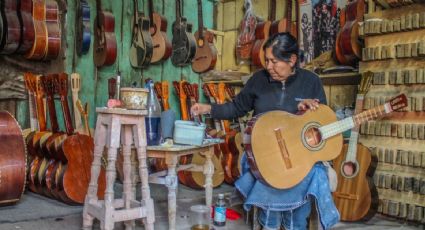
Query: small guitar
x=39 y=46
x=206 y=53
x=141 y=47
x=82 y=27
x=286 y=24
x=10 y=27
x=105 y=43
x=54 y=33
x=356 y=196
x=184 y=44
x=158 y=29
x=284 y=147
x=262 y=31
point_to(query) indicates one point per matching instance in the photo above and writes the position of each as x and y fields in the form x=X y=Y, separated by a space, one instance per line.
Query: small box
x=189 y=132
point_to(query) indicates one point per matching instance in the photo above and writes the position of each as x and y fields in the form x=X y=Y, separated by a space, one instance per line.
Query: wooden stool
x=109 y=124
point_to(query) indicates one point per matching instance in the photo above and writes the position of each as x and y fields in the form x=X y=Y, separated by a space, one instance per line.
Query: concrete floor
x=35 y=212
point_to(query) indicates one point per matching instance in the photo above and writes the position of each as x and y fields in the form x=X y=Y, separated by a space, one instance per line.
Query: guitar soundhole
x=349 y=169
x=312 y=138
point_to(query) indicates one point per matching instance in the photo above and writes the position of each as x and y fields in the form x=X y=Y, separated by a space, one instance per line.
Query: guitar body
x=206 y=53
x=10 y=27
x=303 y=144
x=196 y=180
x=183 y=43
x=142 y=47
x=53 y=30
x=280 y=26
x=82 y=29
x=12 y=160
x=27 y=38
x=105 y=43
x=262 y=32
x=356 y=196
x=161 y=45
x=39 y=47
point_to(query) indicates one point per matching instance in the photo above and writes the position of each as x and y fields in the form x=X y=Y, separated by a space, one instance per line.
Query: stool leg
x=140 y=143
x=91 y=197
x=114 y=131
x=127 y=193
x=208 y=172
x=171 y=181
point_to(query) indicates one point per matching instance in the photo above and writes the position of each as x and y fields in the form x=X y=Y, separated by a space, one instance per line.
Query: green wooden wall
x=95 y=92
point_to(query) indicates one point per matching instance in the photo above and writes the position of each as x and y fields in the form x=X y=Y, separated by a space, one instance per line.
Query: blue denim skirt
x=315 y=185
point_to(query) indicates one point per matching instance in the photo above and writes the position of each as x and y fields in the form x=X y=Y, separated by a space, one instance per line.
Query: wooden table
x=172 y=155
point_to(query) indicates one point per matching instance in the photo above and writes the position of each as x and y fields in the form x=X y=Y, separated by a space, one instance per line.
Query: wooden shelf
x=340 y=78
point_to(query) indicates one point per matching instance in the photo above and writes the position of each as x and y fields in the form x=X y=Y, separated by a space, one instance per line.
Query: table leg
x=208 y=172
x=171 y=182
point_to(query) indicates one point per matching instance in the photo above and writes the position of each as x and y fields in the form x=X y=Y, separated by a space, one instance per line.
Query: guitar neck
x=150 y=6
x=200 y=20
x=354 y=136
x=178 y=11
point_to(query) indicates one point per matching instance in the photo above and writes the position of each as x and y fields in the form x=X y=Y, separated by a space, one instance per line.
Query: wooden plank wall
x=95 y=91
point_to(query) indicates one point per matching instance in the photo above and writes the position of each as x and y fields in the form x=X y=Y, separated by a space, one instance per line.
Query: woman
x=281 y=86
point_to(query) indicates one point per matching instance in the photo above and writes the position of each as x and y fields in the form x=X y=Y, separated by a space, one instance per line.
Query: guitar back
x=39 y=47
x=27 y=38
x=10 y=27
x=262 y=32
x=53 y=30
x=82 y=27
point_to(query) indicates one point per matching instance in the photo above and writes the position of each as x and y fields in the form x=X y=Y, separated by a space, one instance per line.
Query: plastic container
x=200 y=217
x=153 y=119
x=189 y=132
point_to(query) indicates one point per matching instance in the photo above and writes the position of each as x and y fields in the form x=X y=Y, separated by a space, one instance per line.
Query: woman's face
x=279 y=70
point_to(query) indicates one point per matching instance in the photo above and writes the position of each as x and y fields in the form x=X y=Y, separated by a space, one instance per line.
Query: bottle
x=153 y=119
x=220 y=211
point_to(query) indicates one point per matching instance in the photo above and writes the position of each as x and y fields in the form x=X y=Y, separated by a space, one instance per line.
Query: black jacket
x=262 y=94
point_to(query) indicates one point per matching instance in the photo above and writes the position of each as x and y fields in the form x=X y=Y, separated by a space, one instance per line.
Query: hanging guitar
x=356 y=197
x=82 y=27
x=206 y=53
x=27 y=35
x=141 y=47
x=262 y=31
x=184 y=44
x=39 y=46
x=54 y=33
x=283 y=147
x=105 y=43
x=158 y=29
x=10 y=27
x=246 y=37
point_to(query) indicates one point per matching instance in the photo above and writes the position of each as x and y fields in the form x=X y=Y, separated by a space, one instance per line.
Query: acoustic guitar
x=356 y=197
x=158 y=29
x=105 y=43
x=141 y=47
x=27 y=35
x=10 y=27
x=39 y=46
x=12 y=160
x=262 y=31
x=183 y=43
x=82 y=27
x=54 y=33
x=206 y=53
x=283 y=147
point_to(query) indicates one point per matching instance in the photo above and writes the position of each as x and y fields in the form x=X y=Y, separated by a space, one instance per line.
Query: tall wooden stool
x=110 y=123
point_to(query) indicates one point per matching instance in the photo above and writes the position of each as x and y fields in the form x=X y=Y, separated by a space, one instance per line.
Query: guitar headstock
x=176 y=88
x=47 y=84
x=83 y=110
x=158 y=90
x=397 y=102
x=164 y=89
x=182 y=94
x=230 y=90
x=221 y=91
x=195 y=88
x=188 y=90
x=75 y=82
x=212 y=88
x=30 y=82
x=38 y=86
x=62 y=84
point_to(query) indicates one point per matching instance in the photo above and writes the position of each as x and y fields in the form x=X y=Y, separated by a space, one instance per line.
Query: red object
x=230 y=214
x=113 y=103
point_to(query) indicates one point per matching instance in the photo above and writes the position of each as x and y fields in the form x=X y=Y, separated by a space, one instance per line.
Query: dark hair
x=283 y=46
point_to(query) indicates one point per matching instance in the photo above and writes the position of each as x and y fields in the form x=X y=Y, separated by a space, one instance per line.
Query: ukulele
x=356 y=195
x=141 y=47
x=10 y=27
x=39 y=46
x=262 y=31
x=206 y=53
x=158 y=29
x=183 y=43
x=246 y=36
x=82 y=28
x=105 y=43
x=27 y=36
x=284 y=147
x=54 y=34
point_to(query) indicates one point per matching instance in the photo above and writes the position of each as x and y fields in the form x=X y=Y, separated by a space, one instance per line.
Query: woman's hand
x=200 y=109
x=311 y=104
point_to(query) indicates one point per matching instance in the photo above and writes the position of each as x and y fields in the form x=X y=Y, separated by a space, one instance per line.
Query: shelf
x=352 y=78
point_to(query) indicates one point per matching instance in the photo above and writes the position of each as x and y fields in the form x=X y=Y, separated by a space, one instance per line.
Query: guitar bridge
x=282 y=146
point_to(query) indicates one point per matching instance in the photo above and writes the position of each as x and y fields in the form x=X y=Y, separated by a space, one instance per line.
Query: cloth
x=262 y=94
x=294 y=219
x=314 y=185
